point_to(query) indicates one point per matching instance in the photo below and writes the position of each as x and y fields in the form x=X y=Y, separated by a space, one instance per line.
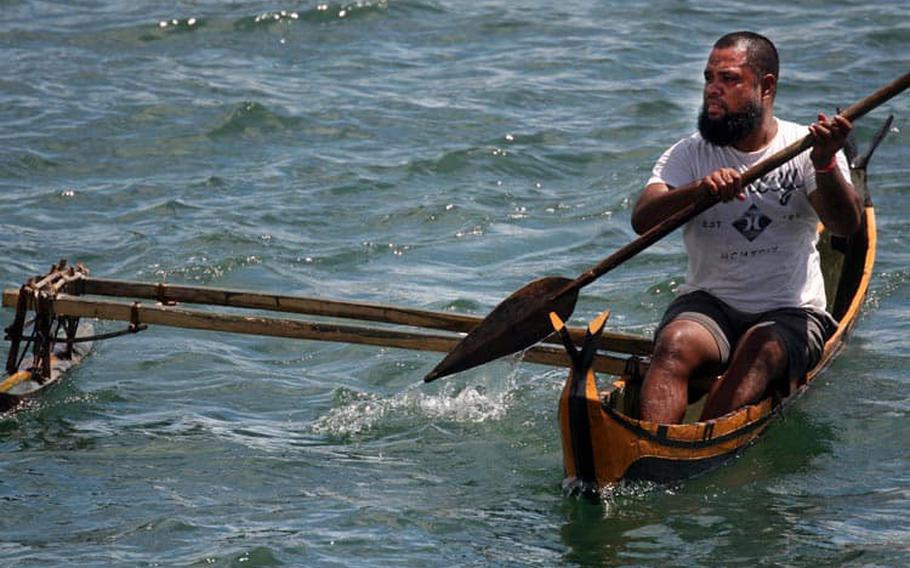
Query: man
x=752 y=306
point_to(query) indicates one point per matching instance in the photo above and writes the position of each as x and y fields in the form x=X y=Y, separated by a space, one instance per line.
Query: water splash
x=360 y=413
x=890 y=284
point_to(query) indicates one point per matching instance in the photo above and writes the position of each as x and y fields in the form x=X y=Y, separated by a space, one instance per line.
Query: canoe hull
x=604 y=441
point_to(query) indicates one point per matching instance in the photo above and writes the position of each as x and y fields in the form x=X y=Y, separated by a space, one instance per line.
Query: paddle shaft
x=707 y=200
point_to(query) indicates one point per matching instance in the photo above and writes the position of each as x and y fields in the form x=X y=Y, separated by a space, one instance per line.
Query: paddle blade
x=520 y=321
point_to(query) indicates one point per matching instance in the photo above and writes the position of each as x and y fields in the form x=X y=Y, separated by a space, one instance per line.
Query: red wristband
x=827 y=169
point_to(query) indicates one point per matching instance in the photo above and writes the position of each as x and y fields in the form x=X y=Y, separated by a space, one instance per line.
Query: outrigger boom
x=63 y=297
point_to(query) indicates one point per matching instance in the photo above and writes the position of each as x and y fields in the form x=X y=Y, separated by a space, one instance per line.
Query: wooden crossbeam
x=151 y=314
x=618 y=342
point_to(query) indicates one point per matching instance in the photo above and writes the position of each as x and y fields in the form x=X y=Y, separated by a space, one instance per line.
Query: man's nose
x=713 y=88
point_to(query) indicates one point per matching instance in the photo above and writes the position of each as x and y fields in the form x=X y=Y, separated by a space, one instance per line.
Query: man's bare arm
x=835 y=200
x=658 y=200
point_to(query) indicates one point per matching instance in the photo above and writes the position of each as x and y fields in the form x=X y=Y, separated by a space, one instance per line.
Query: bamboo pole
x=165 y=293
x=76 y=306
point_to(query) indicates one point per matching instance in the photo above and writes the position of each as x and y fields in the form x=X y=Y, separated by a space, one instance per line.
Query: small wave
x=252 y=119
x=323 y=12
x=203 y=269
x=495 y=158
x=450 y=162
x=168 y=208
x=257 y=556
x=27 y=164
x=266 y=19
x=463 y=305
x=176 y=25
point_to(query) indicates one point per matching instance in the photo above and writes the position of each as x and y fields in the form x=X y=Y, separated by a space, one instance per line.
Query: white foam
x=469 y=404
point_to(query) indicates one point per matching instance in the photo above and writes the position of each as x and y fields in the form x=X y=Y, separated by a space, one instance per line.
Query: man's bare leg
x=759 y=358
x=683 y=348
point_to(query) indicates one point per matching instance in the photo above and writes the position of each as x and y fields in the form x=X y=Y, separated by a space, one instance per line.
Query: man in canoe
x=753 y=304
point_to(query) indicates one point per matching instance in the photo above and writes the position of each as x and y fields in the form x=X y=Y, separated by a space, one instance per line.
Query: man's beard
x=731 y=127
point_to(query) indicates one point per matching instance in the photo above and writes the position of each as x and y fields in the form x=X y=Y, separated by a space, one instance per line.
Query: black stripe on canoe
x=580 y=428
x=663 y=470
x=693 y=444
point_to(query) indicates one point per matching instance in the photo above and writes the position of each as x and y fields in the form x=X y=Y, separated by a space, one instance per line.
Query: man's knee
x=764 y=345
x=685 y=344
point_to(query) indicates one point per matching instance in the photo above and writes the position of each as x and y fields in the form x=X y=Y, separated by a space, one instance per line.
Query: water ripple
x=422 y=153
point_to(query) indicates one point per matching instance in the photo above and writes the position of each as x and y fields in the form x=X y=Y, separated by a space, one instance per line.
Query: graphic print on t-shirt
x=783 y=182
x=752 y=223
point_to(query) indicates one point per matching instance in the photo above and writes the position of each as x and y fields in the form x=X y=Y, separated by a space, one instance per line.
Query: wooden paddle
x=521 y=320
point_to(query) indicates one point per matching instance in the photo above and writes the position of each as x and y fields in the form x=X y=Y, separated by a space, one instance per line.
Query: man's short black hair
x=761 y=55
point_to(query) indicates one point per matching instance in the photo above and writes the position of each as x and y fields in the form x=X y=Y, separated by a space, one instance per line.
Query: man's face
x=732 y=106
x=730 y=84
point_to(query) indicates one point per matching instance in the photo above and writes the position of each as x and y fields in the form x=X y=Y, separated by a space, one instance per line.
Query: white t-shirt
x=758 y=254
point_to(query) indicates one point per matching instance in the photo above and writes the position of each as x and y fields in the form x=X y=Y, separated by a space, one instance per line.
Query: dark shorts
x=803 y=331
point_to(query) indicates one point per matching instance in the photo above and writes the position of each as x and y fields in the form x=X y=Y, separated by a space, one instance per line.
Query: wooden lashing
x=14 y=330
x=39 y=294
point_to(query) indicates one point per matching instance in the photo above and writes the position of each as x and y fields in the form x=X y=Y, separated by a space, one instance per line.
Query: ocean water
x=429 y=154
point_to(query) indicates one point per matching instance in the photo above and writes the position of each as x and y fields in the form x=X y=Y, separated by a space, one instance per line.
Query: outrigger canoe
x=603 y=438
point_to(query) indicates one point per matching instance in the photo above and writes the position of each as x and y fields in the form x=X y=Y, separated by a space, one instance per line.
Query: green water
x=430 y=154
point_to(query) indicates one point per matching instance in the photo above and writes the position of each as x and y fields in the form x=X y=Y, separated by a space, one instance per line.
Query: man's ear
x=768 y=86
